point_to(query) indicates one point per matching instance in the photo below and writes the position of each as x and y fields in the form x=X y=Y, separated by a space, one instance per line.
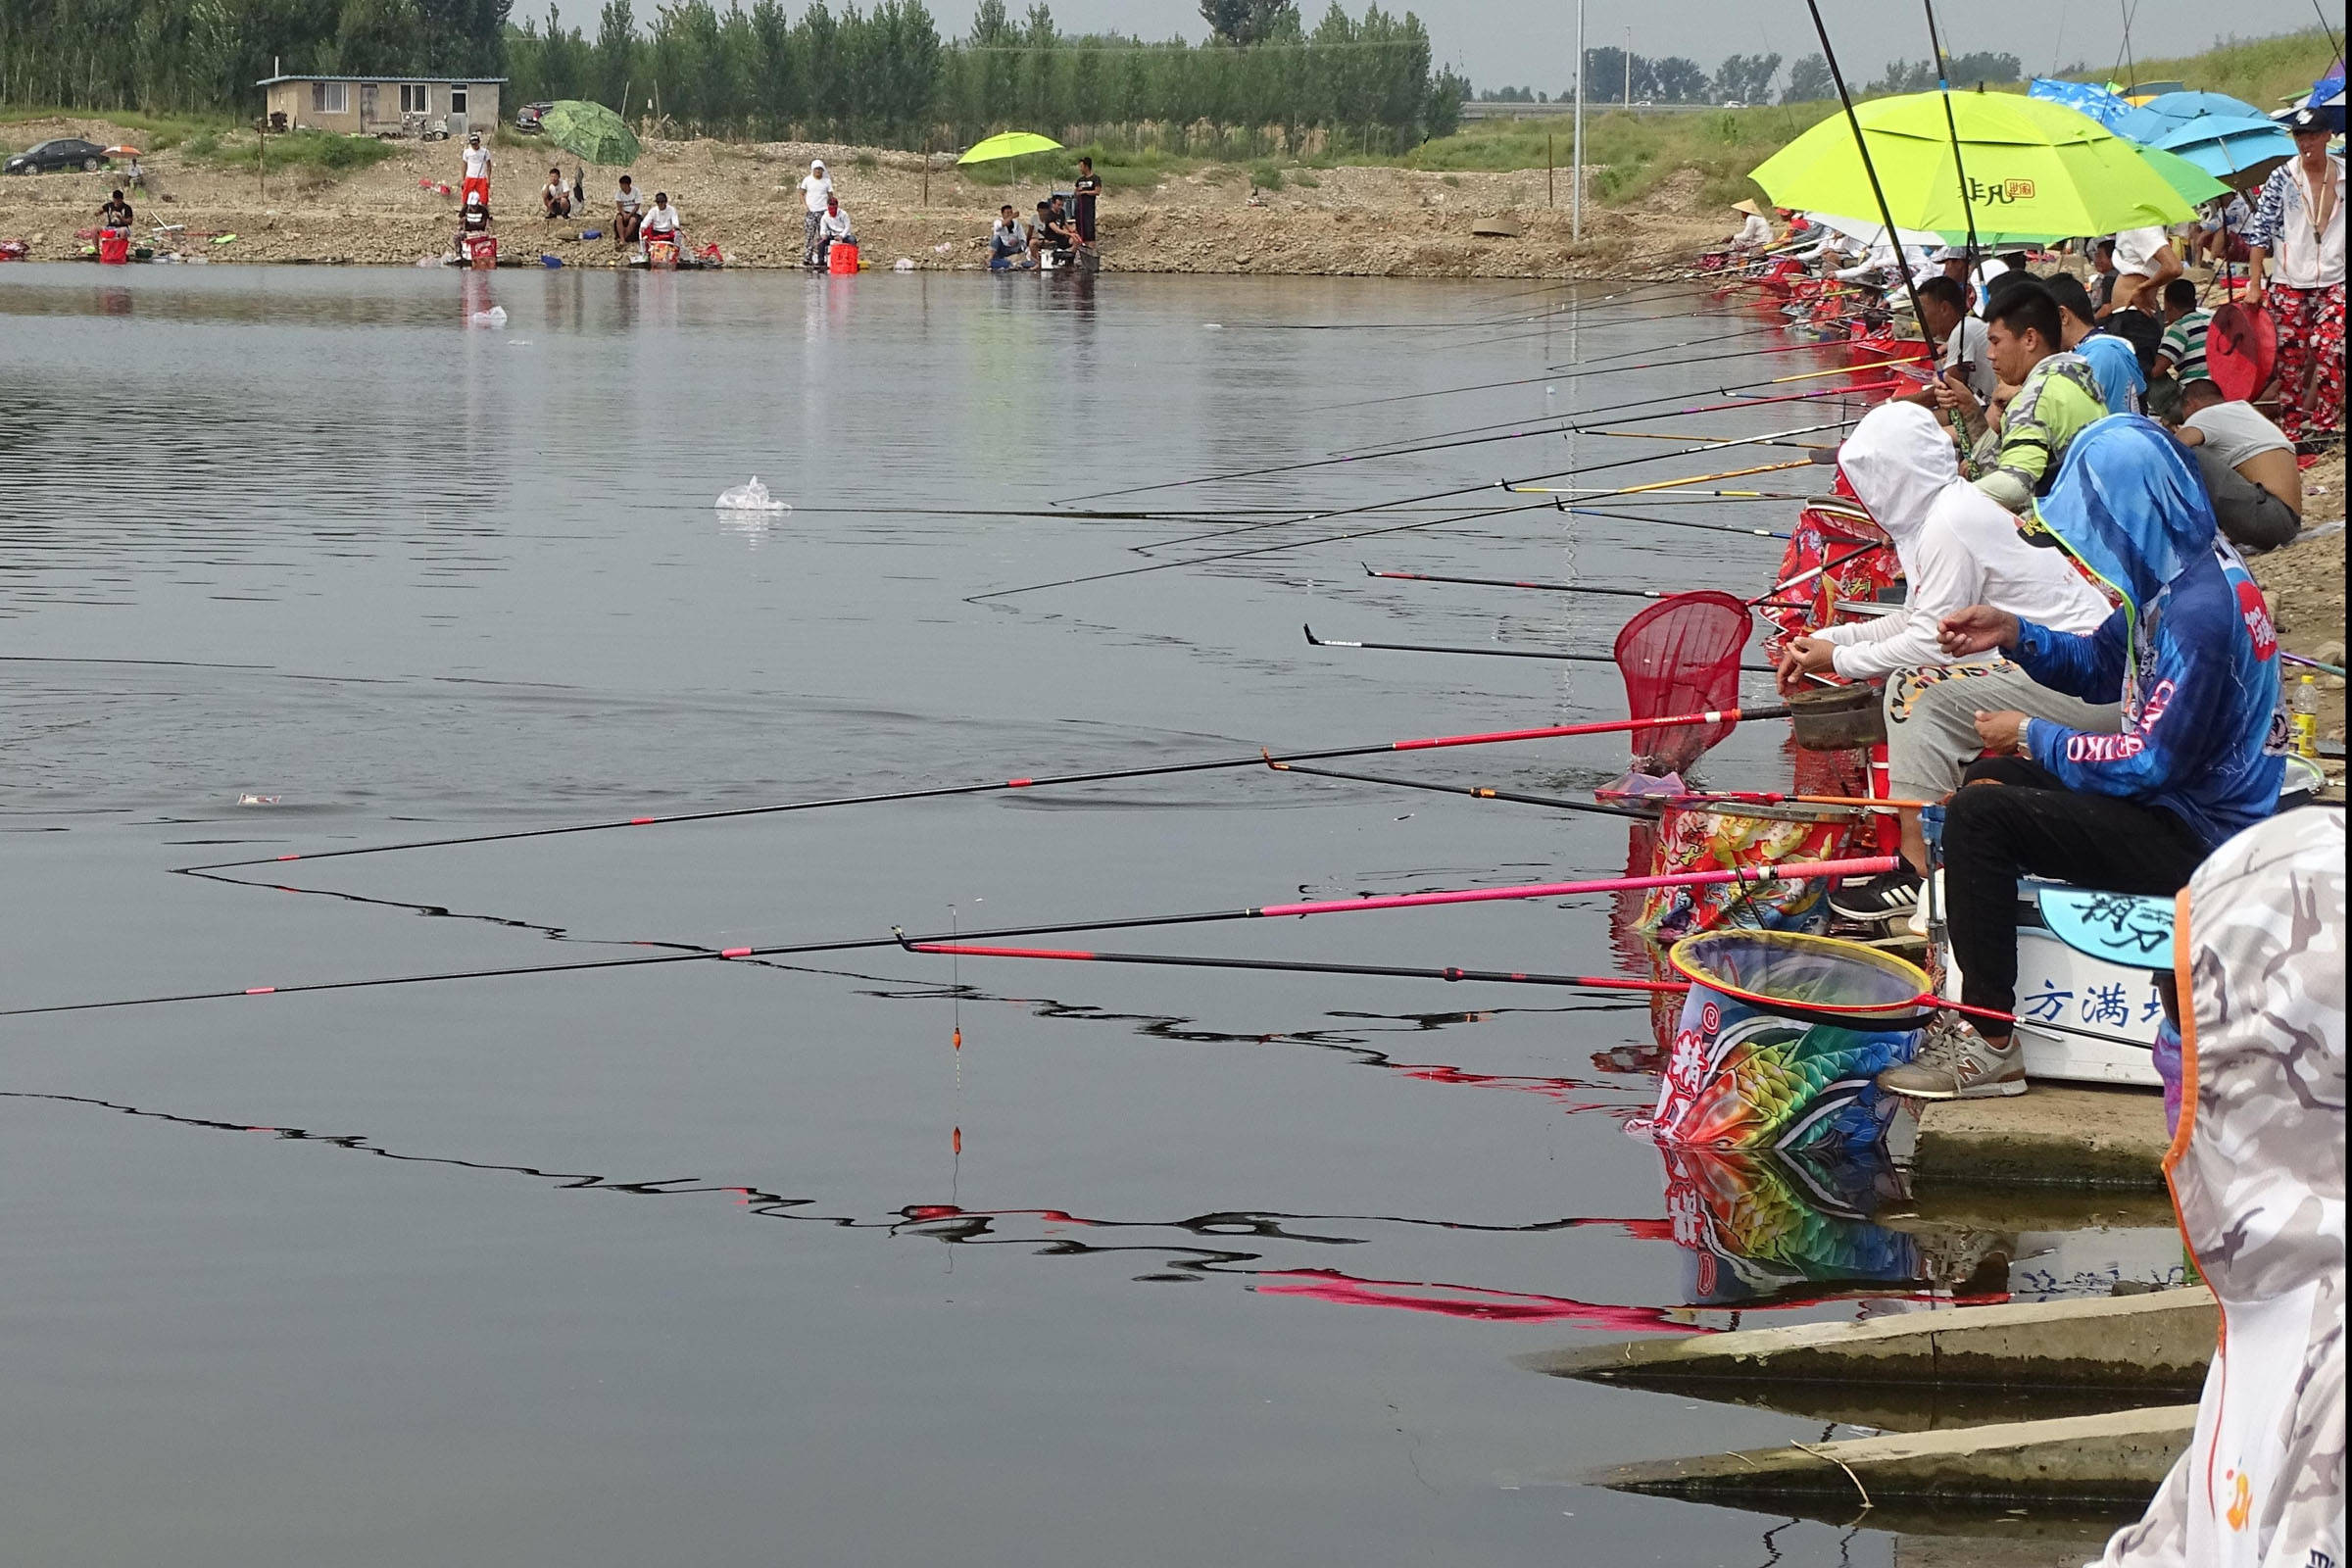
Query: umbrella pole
x=1862 y=146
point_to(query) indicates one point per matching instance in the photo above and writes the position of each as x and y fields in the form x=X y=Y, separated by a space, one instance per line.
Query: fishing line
x=1475 y=792
x=1314 y=640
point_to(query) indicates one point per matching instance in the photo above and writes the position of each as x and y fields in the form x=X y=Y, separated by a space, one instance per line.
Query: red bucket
x=840 y=256
x=481 y=251
x=114 y=247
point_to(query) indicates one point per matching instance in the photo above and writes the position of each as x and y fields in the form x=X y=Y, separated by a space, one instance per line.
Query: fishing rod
x=1794 y=872
x=1475 y=792
x=1255 y=759
x=1781 y=587
x=1702 y=447
x=1829 y=54
x=1300 y=966
x=1583 y=491
x=1313 y=641
x=1392 y=450
x=1494 y=976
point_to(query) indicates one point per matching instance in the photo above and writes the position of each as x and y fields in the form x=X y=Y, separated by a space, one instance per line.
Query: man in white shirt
x=817 y=188
x=1967 y=352
x=661 y=224
x=2248 y=464
x=832 y=227
x=1958 y=547
x=476 y=158
x=2144 y=261
x=1755 y=229
x=628 y=214
x=2295 y=265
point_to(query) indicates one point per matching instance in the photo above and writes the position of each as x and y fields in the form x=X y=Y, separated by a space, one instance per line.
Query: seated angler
x=2249 y=467
x=2191 y=656
x=2057 y=396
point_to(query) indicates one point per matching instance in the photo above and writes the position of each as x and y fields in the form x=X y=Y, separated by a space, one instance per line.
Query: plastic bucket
x=482 y=252
x=114 y=247
x=1780 y=1040
x=661 y=253
x=840 y=256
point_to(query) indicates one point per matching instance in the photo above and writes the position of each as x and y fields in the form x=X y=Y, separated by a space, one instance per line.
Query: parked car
x=1733 y=102
x=527 y=118
x=64 y=152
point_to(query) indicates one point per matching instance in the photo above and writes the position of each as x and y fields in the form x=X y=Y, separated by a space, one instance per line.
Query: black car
x=527 y=118
x=66 y=152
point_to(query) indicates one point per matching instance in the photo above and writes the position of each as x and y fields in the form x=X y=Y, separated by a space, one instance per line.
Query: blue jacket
x=2116 y=364
x=2190 y=653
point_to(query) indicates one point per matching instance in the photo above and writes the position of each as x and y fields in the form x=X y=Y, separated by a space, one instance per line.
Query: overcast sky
x=1531 y=43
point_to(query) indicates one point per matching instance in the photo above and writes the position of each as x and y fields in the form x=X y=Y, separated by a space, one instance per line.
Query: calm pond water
x=754 y=1265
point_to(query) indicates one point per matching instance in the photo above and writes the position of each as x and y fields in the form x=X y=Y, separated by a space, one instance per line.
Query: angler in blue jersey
x=2191 y=655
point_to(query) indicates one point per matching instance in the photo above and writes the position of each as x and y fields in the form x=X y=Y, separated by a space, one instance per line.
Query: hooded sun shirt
x=2190 y=653
x=2257 y=1172
x=1958 y=545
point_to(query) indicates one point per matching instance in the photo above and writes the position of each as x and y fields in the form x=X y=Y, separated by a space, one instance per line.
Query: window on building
x=330 y=97
x=415 y=98
x=457 y=99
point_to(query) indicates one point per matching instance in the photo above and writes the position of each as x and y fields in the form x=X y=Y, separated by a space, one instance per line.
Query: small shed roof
x=455 y=81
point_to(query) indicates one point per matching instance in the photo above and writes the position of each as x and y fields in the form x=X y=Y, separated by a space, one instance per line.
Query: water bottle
x=2306 y=714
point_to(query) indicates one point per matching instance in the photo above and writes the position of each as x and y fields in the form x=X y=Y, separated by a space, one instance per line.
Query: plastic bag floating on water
x=753 y=497
x=495 y=316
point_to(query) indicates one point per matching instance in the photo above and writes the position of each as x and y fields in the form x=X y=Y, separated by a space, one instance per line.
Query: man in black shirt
x=115 y=214
x=1088 y=186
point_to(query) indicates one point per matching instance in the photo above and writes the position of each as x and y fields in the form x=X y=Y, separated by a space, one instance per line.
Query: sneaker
x=1879 y=900
x=1956 y=1063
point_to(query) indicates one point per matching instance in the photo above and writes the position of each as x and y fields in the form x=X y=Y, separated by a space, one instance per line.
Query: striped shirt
x=2185 y=345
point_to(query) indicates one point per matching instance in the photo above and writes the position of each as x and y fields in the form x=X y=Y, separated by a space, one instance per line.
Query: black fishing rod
x=1704 y=446
x=1475 y=792
x=1765 y=597
x=1597 y=365
x=1626 y=413
x=1255 y=759
x=1878 y=191
x=1313 y=641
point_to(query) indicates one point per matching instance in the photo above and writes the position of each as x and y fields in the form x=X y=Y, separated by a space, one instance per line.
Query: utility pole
x=1576 y=170
x=1629 y=67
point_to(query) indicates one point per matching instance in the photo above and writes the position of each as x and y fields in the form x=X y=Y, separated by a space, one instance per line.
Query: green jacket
x=2060 y=398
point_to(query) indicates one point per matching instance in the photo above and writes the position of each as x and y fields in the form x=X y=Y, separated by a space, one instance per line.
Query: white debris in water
x=495 y=316
x=1212 y=326
x=904 y=263
x=258 y=800
x=753 y=497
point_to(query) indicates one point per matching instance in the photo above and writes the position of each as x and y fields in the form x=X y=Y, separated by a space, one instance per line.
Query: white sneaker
x=1956 y=1063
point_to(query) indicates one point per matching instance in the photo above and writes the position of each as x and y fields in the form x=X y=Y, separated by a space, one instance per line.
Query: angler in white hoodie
x=1958 y=548
x=2257 y=1171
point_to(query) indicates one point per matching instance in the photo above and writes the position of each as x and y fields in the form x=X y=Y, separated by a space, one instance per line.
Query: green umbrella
x=1008 y=144
x=589 y=131
x=2193 y=183
x=2036 y=171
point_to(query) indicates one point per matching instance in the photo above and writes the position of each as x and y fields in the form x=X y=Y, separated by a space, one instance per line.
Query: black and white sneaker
x=1879 y=900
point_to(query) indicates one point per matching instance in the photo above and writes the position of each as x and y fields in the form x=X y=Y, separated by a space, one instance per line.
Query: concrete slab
x=2120 y=1455
x=2063 y=1135
x=2157 y=1342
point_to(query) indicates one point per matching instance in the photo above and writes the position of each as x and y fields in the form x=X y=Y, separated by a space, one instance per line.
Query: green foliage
x=2264 y=72
x=321 y=151
x=1265 y=175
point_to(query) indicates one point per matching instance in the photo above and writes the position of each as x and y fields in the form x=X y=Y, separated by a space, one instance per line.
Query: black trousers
x=2025 y=823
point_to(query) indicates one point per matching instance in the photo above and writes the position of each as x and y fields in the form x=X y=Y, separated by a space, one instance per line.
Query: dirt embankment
x=1360 y=221
x=2305 y=586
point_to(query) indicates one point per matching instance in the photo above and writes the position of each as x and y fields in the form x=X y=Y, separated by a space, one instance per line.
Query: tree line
x=881 y=72
x=1613 y=76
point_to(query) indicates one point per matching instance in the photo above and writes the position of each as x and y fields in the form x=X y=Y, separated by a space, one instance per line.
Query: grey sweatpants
x=2251 y=517
x=1932 y=721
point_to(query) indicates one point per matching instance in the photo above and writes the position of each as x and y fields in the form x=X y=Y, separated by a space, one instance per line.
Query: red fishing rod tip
x=1019 y=783
x=259 y=991
x=641 y=821
x=734 y=952
x=289 y=857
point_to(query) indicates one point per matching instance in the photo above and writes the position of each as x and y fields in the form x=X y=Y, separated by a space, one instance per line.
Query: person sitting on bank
x=1958 y=548
x=473 y=219
x=2180 y=351
x=2056 y=397
x=1755 y=229
x=628 y=215
x=2249 y=466
x=2191 y=656
x=555 y=197
x=1009 y=242
x=115 y=214
x=832 y=228
x=661 y=224
x=1966 y=356
x=1053 y=230
x=2113 y=360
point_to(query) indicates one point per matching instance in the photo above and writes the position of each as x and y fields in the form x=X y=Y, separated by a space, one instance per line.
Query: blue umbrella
x=2224 y=145
x=2082 y=97
x=2169 y=111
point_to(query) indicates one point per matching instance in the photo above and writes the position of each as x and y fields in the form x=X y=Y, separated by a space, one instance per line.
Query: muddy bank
x=1349 y=221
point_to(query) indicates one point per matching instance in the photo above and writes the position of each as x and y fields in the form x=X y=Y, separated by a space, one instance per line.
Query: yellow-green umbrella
x=2036 y=171
x=1008 y=144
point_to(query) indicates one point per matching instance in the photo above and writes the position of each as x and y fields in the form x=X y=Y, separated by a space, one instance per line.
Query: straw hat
x=1748 y=205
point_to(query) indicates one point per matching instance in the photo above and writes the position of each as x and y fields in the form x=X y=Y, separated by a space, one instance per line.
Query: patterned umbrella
x=589 y=131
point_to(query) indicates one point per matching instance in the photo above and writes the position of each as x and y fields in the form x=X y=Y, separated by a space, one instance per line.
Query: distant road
x=1480 y=108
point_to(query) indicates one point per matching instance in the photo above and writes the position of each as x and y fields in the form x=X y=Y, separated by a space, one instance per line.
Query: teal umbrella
x=589 y=131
